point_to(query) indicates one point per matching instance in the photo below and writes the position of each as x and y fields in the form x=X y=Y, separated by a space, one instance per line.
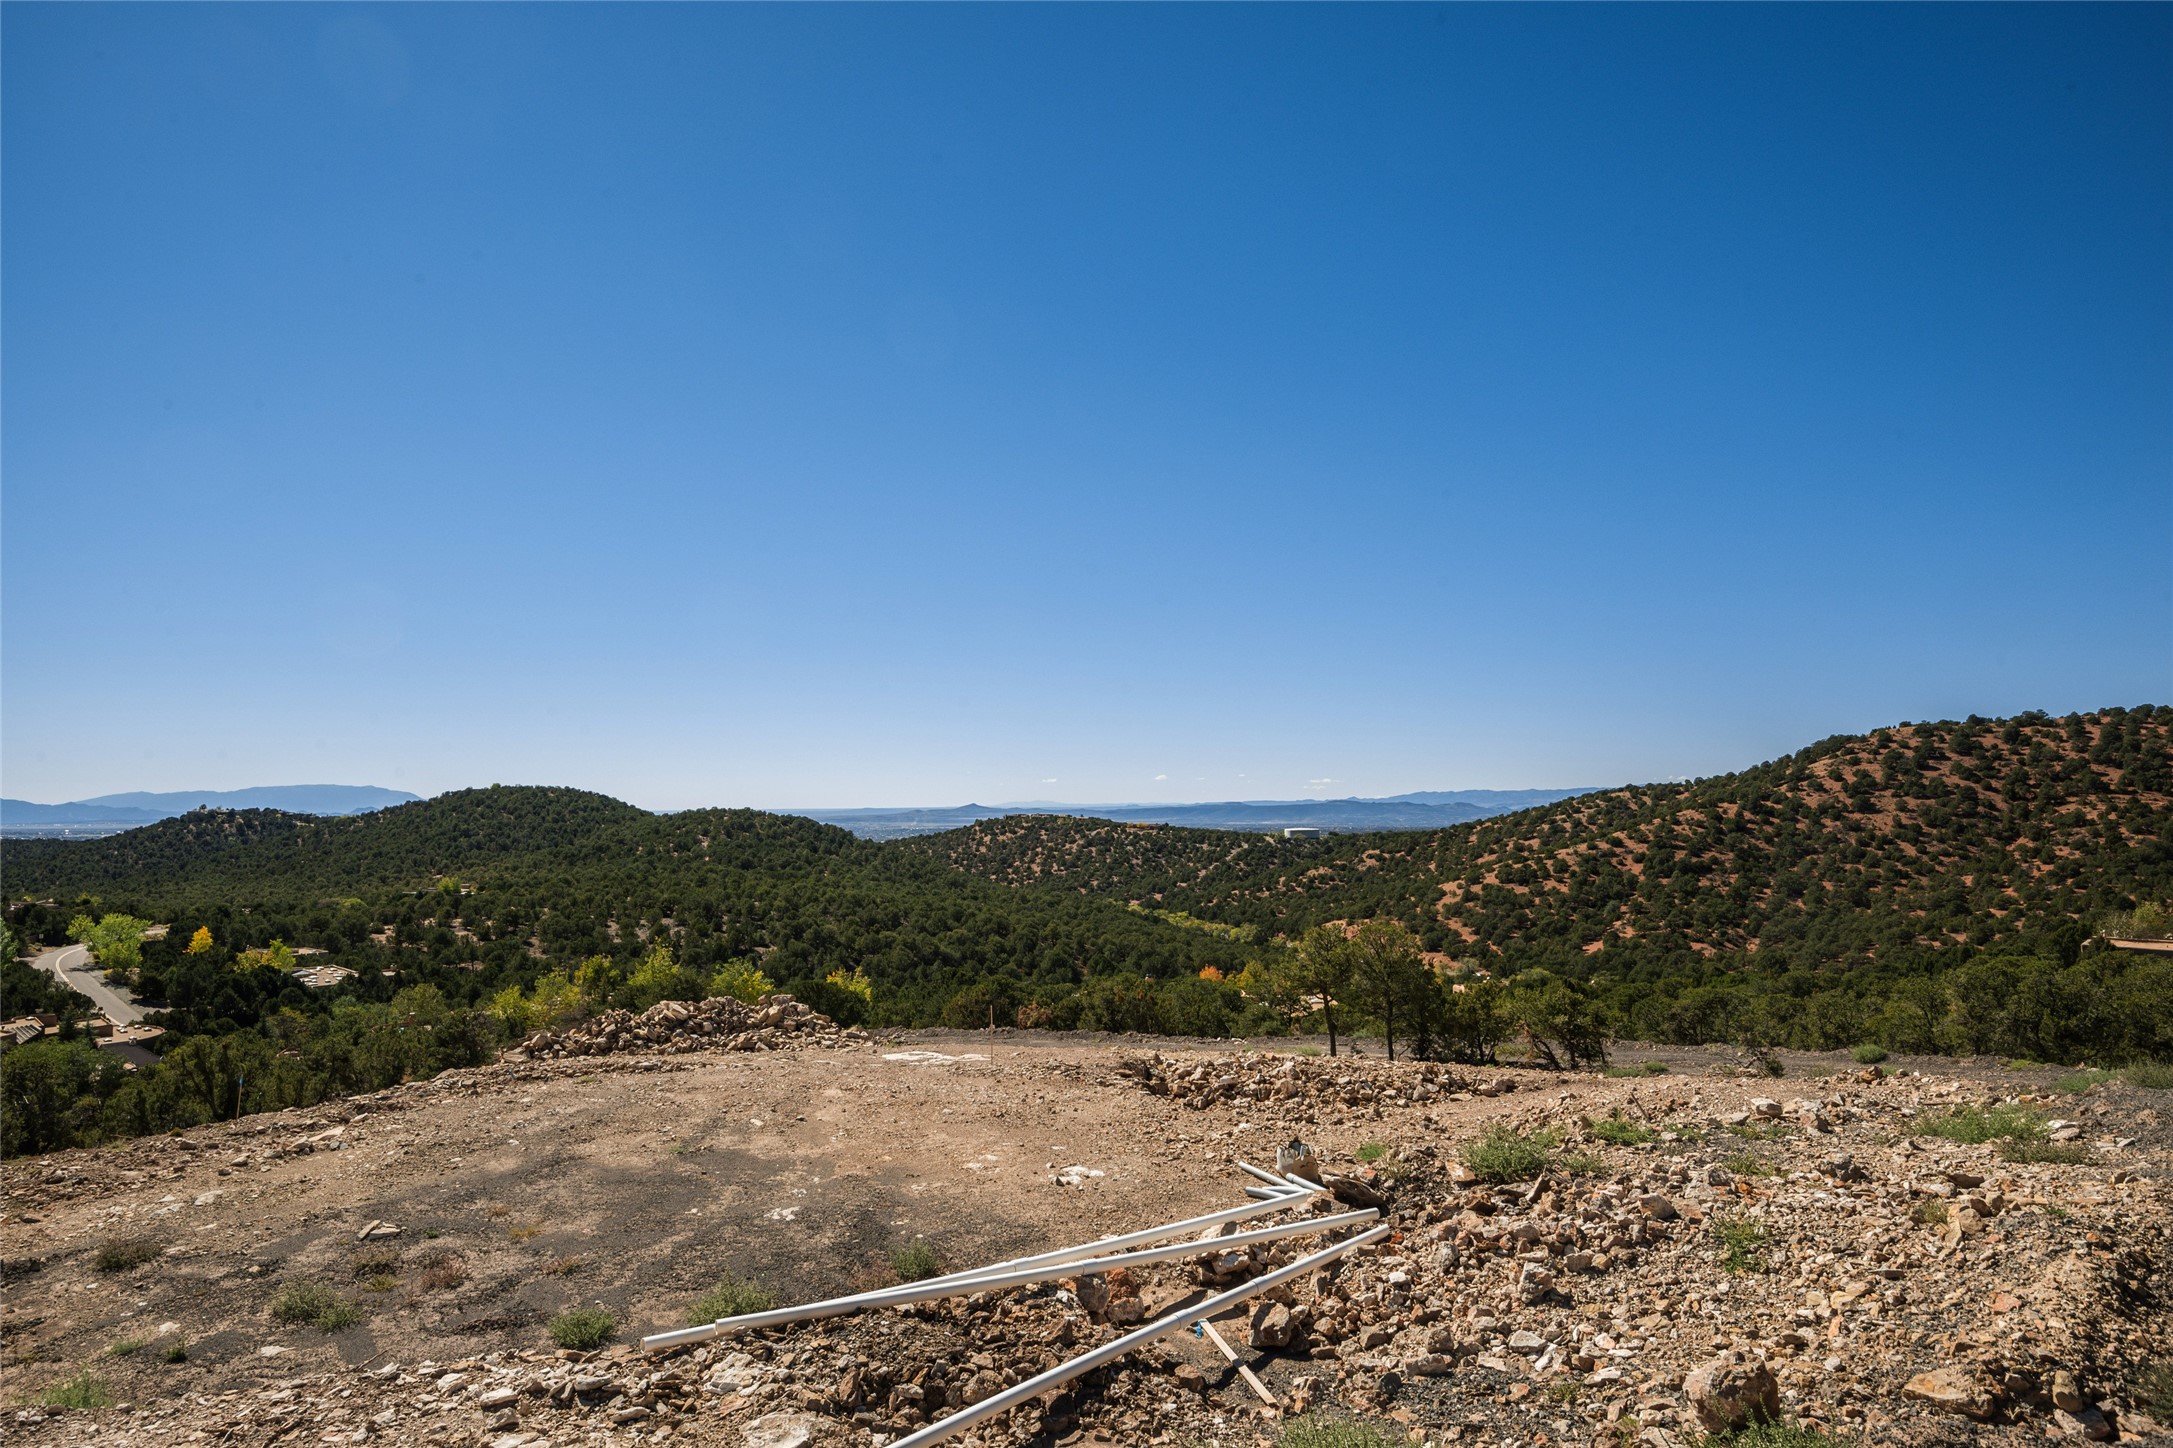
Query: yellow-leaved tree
x=742 y=980
x=554 y=1004
x=201 y=943
x=853 y=982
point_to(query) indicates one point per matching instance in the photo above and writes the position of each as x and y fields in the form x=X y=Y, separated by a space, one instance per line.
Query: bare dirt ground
x=1815 y=1236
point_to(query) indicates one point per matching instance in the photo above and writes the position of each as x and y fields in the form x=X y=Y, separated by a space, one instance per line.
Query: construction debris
x=1673 y=1254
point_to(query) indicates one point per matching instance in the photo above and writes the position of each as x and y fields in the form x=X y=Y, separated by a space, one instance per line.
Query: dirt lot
x=1565 y=1307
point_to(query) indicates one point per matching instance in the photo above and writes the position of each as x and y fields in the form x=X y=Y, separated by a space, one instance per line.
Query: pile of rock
x=1305 y=1081
x=774 y=1023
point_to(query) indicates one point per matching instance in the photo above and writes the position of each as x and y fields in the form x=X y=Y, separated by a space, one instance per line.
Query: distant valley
x=1423 y=810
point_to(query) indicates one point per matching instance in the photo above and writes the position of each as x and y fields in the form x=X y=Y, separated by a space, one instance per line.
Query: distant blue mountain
x=1493 y=801
x=108 y=812
x=1421 y=811
x=317 y=799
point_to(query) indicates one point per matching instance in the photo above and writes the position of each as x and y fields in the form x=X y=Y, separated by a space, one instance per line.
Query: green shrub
x=915 y=1261
x=1929 y=1213
x=127 y=1345
x=1976 y=1125
x=1579 y=1163
x=120 y=1256
x=373 y=1262
x=1753 y=1131
x=1324 y=1433
x=1642 y=1068
x=1742 y=1244
x=583 y=1328
x=1371 y=1152
x=1616 y=1131
x=2150 y=1075
x=84 y=1390
x=1749 y=1164
x=176 y=1351
x=733 y=1296
x=317 y=1305
x=1868 y=1055
x=2081 y=1081
x=2154 y=1389
x=1771 y=1435
x=1503 y=1155
x=2056 y=1153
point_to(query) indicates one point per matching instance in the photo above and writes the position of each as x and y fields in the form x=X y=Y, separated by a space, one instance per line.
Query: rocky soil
x=1671 y=1252
x=775 y=1023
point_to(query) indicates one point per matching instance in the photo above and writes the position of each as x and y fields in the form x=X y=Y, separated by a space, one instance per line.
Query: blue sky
x=844 y=406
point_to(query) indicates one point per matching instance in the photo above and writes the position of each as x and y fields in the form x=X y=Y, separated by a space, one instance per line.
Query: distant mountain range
x=1421 y=810
x=108 y=814
x=111 y=813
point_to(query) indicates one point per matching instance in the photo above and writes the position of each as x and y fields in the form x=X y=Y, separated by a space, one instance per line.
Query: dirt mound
x=774 y=1023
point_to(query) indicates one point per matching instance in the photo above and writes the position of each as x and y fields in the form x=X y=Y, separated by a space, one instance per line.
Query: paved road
x=72 y=965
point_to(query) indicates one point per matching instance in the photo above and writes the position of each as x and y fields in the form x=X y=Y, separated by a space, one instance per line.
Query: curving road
x=71 y=965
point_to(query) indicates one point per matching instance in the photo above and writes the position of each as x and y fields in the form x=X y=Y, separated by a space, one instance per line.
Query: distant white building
x=1300 y=832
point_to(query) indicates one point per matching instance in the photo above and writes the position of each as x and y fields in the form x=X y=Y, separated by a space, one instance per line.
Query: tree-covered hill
x=481 y=889
x=1902 y=853
x=1854 y=891
x=1929 y=834
x=268 y=855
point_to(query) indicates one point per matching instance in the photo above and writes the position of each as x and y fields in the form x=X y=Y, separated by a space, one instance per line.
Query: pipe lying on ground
x=1063 y=1373
x=1290 y=1194
x=1261 y=1207
x=935 y=1289
x=1273 y=1180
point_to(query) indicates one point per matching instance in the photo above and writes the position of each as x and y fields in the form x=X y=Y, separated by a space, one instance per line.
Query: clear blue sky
x=838 y=406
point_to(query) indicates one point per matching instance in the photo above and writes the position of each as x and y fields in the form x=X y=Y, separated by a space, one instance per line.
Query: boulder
x=1270 y=1326
x=1952 y=1390
x=780 y=1430
x=2087 y=1423
x=1727 y=1395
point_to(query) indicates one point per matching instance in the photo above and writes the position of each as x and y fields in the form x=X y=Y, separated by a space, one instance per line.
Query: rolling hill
x=1924 y=835
x=1798 y=899
x=1835 y=895
x=477 y=890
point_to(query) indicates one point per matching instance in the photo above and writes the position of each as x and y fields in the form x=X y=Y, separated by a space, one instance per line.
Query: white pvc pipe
x=1269 y=1177
x=1290 y=1190
x=1063 y=1373
x=932 y=1290
x=1153 y=1234
x=1290 y=1193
